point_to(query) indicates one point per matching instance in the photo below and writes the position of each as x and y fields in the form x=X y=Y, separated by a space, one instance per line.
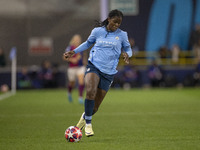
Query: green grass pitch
x=138 y=119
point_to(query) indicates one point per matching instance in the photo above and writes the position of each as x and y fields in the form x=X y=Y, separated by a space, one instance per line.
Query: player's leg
x=103 y=87
x=80 y=77
x=98 y=99
x=71 y=83
x=81 y=88
x=100 y=94
x=70 y=88
x=91 y=83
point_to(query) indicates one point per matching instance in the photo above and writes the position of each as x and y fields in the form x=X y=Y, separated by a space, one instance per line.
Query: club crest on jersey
x=117 y=38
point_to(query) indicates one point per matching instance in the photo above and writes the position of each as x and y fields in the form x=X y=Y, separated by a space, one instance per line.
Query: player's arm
x=127 y=51
x=75 y=60
x=125 y=57
x=71 y=59
x=68 y=55
x=84 y=46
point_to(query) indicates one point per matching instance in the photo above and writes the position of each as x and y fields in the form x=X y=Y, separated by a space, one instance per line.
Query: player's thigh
x=91 y=82
x=80 y=75
x=80 y=79
x=71 y=73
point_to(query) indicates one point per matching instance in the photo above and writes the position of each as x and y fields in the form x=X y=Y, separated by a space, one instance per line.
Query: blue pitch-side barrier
x=178 y=74
x=60 y=79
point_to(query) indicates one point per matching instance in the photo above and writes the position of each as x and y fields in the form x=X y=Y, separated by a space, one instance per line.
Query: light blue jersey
x=106 y=51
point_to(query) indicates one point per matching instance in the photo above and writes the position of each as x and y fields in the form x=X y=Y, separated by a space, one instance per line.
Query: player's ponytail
x=100 y=24
x=112 y=14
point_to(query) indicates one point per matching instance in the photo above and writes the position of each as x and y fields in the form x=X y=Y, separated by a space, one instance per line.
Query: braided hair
x=112 y=13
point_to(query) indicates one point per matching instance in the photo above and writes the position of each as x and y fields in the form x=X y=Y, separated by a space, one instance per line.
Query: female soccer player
x=108 y=42
x=76 y=68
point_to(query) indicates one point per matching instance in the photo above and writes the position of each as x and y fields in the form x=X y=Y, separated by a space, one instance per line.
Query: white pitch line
x=6 y=95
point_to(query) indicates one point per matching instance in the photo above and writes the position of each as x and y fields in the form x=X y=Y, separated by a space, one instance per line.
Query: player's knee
x=90 y=94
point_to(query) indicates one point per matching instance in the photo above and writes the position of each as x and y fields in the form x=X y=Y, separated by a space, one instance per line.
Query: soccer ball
x=73 y=134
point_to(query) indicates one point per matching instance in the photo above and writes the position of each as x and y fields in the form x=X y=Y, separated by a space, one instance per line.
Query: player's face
x=114 y=23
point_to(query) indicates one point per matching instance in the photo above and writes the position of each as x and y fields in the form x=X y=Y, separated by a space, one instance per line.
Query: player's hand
x=68 y=54
x=125 y=57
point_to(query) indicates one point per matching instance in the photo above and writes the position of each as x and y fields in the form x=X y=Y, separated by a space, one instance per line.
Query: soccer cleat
x=88 y=130
x=81 y=123
x=69 y=97
x=81 y=100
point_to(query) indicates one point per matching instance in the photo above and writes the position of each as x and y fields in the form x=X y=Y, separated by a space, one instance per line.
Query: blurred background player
x=108 y=41
x=76 y=69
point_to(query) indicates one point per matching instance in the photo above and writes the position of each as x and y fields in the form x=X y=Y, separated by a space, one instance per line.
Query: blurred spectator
x=163 y=52
x=118 y=78
x=2 y=58
x=155 y=74
x=24 y=80
x=130 y=76
x=175 y=51
x=4 y=88
x=57 y=75
x=46 y=75
x=33 y=73
x=126 y=77
x=195 y=42
x=196 y=75
x=134 y=47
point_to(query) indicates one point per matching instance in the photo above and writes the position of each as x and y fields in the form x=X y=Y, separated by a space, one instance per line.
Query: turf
x=138 y=119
